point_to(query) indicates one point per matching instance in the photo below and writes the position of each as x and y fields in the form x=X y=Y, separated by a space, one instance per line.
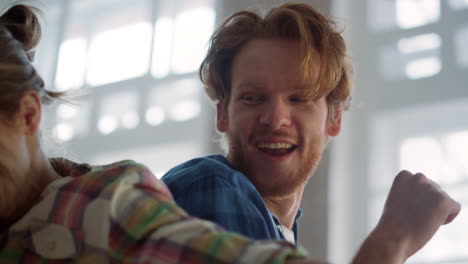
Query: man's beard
x=270 y=187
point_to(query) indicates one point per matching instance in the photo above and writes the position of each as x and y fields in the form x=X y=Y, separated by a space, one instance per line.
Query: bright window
x=402 y=14
x=461 y=42
x=176 y=100
x=159 y=159
x=133 y=64
x=421 y=68
x=119 y=54
x=71 y=64
x=412 y=57
x=162 y=50
x=118 y=111
x=72 y=121
x=419 y=43
x=192 y=32
x=432 y=141
x=458 y=4
x=412 y=60
x=414 y=13
x=444 y=159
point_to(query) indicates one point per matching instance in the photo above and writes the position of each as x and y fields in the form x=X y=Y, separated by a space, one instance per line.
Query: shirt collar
x=298 y=215
x=66 y=167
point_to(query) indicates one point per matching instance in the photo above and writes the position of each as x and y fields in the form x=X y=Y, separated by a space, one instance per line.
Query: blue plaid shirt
x=210 y=188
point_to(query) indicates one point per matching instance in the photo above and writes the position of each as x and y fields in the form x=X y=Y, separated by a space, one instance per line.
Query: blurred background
x=137 y=61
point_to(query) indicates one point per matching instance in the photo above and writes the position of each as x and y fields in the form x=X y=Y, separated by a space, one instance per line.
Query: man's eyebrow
x=303 y=87
x=309 y=90
x=249 y=85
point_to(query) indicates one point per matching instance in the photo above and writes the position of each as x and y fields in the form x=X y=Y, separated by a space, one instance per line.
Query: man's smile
x=277 y=148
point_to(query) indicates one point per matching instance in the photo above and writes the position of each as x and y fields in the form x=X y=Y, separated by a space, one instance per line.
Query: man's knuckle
x=402 y=175
x=420 y=178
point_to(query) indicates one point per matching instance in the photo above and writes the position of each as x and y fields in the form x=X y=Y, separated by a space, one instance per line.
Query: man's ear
x=221 y=117
x=334 y=122
x=29 y=113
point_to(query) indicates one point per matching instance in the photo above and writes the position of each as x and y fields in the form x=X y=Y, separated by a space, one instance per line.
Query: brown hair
x=20 y=32
x=291 y=22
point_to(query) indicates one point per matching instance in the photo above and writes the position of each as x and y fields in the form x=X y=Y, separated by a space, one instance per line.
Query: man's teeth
x=275 y=145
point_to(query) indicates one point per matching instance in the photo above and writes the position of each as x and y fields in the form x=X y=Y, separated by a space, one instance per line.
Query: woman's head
x=22 y=94
x=20 y=32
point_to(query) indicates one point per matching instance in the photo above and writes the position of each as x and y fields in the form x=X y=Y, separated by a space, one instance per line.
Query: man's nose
x=276 y=114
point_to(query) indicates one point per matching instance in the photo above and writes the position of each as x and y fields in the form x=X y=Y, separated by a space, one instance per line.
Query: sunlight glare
x=71 y=64
x=421 y=68
x=192 y=31
x=162 y=47
x=119 y=54
x=419 y=43
x=415 y=13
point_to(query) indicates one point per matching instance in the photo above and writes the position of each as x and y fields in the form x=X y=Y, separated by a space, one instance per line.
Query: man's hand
x=415 y=209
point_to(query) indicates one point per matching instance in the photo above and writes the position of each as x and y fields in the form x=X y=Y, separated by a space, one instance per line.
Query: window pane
x=178 y=101
x=118 y=111
x=182 y=31
x=449 y=243
x=381 y=15
x=414 y=13
x=419 y=43
x=421 y=155
x=388 y=15
x=119 y=54
x=72 y=121
x=158 y=159
x=120 y=43
x=185 y=110
x=458 y=4
x=421 y=68
x=457 y=152
x=162 y=50
x=71 y=64
x=155 y=115
x=412 y=58
x=193 y=29
x=461 y=42
x=73 y=53
x=443 y=159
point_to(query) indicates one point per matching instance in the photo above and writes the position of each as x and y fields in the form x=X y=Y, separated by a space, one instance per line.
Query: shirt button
x=51 y=245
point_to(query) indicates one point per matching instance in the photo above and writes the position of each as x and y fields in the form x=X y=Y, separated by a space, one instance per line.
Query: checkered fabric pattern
x=121 y=213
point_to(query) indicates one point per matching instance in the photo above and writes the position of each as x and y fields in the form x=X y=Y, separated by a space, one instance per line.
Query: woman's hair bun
x=23 y=24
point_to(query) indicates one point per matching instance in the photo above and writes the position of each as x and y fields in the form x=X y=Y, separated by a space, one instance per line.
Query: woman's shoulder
x=68 y=168
x=104 y=179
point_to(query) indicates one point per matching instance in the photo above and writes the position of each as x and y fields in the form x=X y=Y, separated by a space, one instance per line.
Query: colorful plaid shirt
x=120 y=213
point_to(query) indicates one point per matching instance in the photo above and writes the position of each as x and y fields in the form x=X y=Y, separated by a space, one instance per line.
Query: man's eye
x=251 y=98
x=297 y=99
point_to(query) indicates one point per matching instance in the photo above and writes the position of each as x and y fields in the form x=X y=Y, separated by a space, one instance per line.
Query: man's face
x=276 y=132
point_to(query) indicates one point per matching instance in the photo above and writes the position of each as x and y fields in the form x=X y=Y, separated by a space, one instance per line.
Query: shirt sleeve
x=149 y=227
x=235 y=207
